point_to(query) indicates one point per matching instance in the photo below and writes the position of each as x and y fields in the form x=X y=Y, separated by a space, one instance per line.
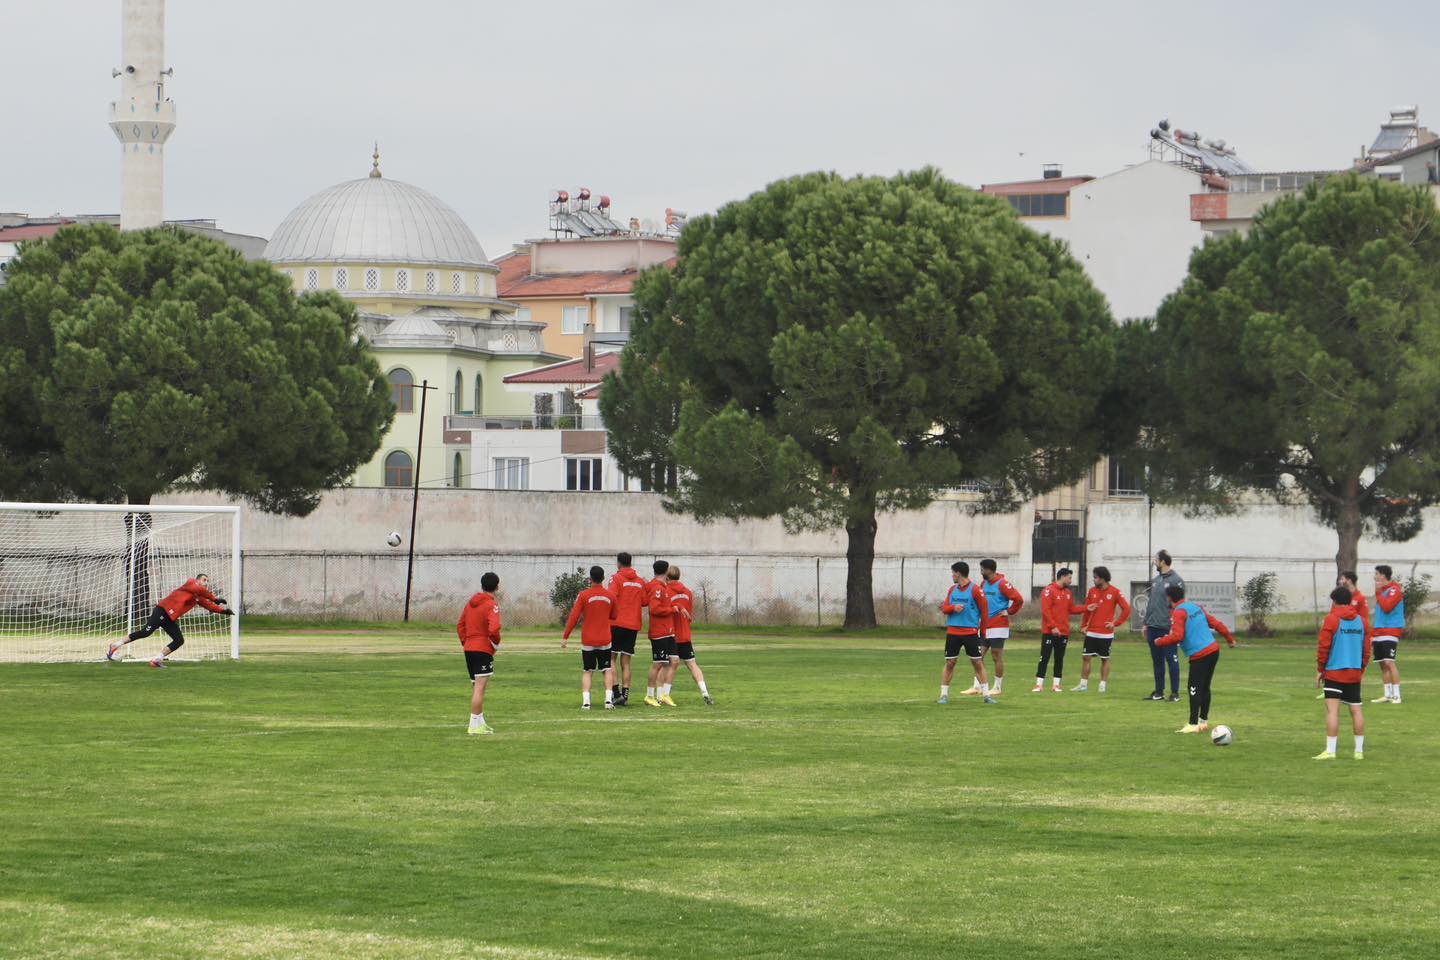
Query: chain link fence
x=743 y=590
x=738 y=590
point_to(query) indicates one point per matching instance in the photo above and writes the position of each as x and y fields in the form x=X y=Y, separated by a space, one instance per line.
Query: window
x=583 y=473
x=429 y=281
x=625 y=314
x=372 y=279
x=512 y=473
x=480 y=284
x=1124 y=481
x=457 y=283
x=573 y=319
x=458 y=474
x=402 y=390
x=523 y=314
x=312 y=279
x=479 y=392
x=342 y=278
x=458 y=400
x=397 y=470
x=402 y=280
x=1039 y=204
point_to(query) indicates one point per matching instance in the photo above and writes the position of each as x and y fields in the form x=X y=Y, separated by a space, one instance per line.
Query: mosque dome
x=375 y=220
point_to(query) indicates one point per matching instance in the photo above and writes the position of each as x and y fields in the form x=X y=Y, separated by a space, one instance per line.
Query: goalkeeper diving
x=168 y=612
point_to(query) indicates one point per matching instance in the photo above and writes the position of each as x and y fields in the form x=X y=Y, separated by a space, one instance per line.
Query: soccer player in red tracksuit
x=597 y=606
x=1340 y=660
x=1387 y=626
x=1099 y=624
x=1191 y=627
x=1057 y=605
x=1351 y=582
x=167 y=612
x=663 y=653
x=685 y=649
x=966 y=617
x=479 y=630
x=1003 y=601
x=628 y=589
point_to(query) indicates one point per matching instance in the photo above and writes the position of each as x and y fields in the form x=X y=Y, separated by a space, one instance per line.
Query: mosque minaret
x=143 y=118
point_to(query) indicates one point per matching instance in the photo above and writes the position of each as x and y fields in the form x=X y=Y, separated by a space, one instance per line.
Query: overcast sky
x=492 y=106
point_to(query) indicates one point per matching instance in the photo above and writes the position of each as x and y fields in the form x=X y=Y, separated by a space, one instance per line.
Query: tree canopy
x=132 y=363
x=830 y=349
x=1302 y=362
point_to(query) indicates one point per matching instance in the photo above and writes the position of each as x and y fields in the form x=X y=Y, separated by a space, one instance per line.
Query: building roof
x=1053 y=185
x=515 y=280
x=570 y=371
x=1369 y=163
x=30 y=231
x=375 y=220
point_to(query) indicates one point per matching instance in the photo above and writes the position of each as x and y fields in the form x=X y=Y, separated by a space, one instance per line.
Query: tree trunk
x=860 y=559
x=1348 y=525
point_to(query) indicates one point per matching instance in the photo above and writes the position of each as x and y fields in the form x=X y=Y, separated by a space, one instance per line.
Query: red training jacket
x=1387 y=598
x=684 y=610
x=1057 y=605
x=1001 y=618
x=479 y=626
x=628 y=589
x=980 y=605
x=1102 y=622
x=657 y=598
x=182 y=601
x=1327 y=637
x=1179 y=618
x=597 y=606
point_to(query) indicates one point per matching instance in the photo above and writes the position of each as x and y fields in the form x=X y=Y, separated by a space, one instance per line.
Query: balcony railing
x=546 y=421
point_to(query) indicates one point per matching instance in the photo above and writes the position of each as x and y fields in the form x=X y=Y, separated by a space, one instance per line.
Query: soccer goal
x=76 y=576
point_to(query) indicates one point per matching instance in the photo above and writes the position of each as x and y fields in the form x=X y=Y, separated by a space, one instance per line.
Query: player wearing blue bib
x=1194 y=630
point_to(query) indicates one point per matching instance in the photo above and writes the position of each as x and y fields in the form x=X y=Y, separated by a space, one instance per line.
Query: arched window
x=398 y=470
x=459 y=400
x=458 y=472
x=402 y=280
x=342 y=278
x=479 y=394
x=402 y=390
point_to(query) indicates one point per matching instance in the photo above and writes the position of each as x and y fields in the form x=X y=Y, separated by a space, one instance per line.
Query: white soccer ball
x=393 y=539
x=119 y=654
x=1221 y=736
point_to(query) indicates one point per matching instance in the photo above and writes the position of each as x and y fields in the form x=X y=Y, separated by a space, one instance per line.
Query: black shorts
x=1384 y=650
x=1098 y=646
x=685 y=650
x=994 y=643
x=595 y=659
x=954 y=644
x=622 y=640
x=1346 y=693
x=662 y=650
x=479 y=664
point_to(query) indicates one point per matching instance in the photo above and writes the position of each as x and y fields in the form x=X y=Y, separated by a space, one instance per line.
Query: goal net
x=76 y=577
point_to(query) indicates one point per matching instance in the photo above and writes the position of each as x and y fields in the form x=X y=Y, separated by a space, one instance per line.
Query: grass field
x=320 y=798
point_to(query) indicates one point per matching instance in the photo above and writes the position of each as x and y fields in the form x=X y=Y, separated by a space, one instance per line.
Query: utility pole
x=424 y=389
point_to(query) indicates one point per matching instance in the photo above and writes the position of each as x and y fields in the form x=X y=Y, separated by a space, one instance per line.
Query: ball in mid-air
x=1221 y=736
x=393 y=539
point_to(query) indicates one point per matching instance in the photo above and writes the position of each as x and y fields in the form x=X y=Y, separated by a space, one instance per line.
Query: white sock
x=1039 y=681
x=1359 y=742
x=476 y=719
x=665 y=690
x=1057 y=681
x=975 y=685
x=1102 y=686
x=996 y=685
x=585 y=694
x=1084 y=684
x=1388 y=692
x=704 y=691
x=650 y=692
x=985 y=689
x=609 y=695
x=944 y=689
x=1397 y=690
x=1331 y=743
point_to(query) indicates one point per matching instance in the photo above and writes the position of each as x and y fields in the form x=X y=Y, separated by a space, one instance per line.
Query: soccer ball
x=1221 y=736
x=119 y=654
x=393 y=539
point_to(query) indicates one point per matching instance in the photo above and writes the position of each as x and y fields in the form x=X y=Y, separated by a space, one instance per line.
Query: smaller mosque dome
x=375 y=220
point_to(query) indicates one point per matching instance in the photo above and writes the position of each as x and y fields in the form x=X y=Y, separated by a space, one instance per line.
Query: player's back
x=628 y=589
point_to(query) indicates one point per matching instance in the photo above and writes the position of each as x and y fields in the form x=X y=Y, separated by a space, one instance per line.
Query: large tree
x=1301 y=362
x=133 y=363
x=830 y=349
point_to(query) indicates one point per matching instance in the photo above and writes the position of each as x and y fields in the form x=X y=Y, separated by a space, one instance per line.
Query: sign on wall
x=1216 y=596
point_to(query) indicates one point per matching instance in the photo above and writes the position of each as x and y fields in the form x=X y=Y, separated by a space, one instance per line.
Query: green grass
x=314 y=800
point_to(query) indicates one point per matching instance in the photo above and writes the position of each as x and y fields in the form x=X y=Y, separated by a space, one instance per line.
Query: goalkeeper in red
x=167 y=613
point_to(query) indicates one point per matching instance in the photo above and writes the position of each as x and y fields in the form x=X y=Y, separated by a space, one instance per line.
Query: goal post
x=75 y=577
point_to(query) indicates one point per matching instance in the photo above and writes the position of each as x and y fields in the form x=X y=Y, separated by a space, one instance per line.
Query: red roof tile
x=569 y=371
x=29 y=232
